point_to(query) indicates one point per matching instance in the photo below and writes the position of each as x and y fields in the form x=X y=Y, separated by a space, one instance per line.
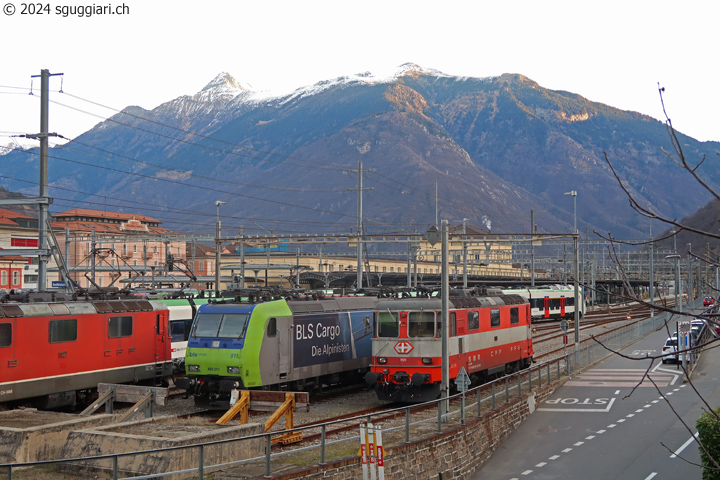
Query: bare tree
x=647 y=211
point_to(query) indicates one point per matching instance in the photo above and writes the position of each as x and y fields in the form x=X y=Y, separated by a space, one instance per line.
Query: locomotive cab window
x=120 y=327
x=217 y=325
x=387 y=324
x=495 y=317
x=514 y=315
x=180 y=330
x=272 y=327
x=62 y=331
x=473 y=320
x=421 y=324
x=5 y=334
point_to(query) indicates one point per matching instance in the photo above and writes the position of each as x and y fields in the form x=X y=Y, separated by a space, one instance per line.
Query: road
x=605 y=423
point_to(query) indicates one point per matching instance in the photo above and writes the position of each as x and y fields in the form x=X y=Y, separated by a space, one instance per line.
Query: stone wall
x=454 y=454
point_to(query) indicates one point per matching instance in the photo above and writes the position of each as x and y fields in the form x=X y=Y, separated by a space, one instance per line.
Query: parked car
x=670 y=347
x=707 y=301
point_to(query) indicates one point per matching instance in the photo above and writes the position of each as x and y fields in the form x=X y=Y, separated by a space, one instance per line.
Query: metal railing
x=399 y=424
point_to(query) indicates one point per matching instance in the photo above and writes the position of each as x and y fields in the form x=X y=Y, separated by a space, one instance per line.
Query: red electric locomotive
x=50 y=352
x=488 y=334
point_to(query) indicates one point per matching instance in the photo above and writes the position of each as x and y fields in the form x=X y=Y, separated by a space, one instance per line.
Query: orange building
x=105 y=247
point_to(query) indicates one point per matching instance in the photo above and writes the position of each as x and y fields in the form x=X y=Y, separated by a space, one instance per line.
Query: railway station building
x=17 y=231
x=267 y=262
x=102 y=247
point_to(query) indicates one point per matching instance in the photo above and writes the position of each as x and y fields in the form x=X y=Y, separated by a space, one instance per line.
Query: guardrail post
x=322 y=445
x=519 y=385
x=115 y=467
x=268 y=447
x=493 y=394
x=462 y=409
x=201 y=462
x=9 y=475
x=479 y=400
x=439 y=407
x=407 y=424
x=558 y=368
x=548 y=369
x=507 y=389
x=540 y=377
x=530 y=378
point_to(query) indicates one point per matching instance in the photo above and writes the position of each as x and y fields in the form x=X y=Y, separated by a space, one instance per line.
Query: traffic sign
x=463 y=380
x=432 y=235
x=57 y=284
x=564 y=325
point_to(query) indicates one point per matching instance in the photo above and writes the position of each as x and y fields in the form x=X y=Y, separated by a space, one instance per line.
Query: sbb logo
x=403 y=348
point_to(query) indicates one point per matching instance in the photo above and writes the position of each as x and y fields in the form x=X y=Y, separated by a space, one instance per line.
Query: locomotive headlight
x=382 y=360
x=427 y=361
x=193 y=368
x=233 y=370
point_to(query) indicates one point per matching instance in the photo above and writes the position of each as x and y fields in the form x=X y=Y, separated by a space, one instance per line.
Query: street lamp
x=573 y=193
x=217 y=248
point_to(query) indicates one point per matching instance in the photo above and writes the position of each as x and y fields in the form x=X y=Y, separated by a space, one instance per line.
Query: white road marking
x=541 y=464
x=526 y=472
x=684 y=446
x=567 y=450
x=617 y=392
x=621 y=420
x=582 y=410
x=652 y=475
x=589 y=437
x=612 y=425
x=578 y=444
x=554 y=457
x=630 y=415
x=601 y=431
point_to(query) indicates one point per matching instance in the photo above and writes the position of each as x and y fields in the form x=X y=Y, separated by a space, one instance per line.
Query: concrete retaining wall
x=43 y=440
x=119 y=438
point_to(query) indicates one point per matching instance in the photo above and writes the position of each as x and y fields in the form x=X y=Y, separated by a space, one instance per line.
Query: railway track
x=544 y=336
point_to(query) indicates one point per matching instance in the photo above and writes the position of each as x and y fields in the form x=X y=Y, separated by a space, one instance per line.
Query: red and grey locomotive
x=488 y=334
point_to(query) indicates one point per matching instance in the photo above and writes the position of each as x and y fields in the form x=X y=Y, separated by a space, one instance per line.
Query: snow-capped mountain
x=495 y=148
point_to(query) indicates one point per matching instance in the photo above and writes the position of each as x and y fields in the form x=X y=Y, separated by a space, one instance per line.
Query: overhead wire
x=214 y=139
x=197 y=186
x=194 y=133
x=177 y=139
x=210 y=138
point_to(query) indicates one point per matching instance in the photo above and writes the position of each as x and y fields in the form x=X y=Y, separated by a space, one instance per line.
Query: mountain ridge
x=511 y=145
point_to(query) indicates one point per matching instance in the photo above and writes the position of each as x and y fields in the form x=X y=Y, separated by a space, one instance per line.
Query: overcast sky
x=611 y=52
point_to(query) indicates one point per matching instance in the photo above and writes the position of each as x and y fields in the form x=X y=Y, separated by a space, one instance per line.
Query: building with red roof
x=106 y=247
x=17 y=231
